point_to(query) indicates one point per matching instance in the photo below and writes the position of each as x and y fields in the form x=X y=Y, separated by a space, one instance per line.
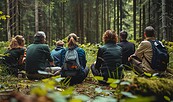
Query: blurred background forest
x=87 y=18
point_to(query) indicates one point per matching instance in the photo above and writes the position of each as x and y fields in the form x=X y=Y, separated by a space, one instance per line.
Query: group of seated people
x=70 y=62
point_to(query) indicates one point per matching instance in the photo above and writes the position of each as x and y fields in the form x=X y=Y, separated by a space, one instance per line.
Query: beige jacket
x=144 y=53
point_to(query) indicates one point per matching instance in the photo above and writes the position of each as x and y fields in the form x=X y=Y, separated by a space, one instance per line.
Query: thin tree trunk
x=102 y=17
x=143 y=21
x=134 y=18
x=164 y=19
x=104 y=13
x=121 y=12
x=140 y=19
x=36 y=15
x=97 y=21
x=114 y=14
x=8 y=22
x=108 y=15
x=118 y=17
x=149 y=11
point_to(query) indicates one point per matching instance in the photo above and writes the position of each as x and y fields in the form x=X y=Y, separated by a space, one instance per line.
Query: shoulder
x=80 y=50
x=145 y=44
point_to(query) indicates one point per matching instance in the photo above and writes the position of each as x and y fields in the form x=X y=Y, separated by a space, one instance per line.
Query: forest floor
x=91 y=89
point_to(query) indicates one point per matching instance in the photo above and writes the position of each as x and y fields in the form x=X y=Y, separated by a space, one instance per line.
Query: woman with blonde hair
x=77 y=73
x=15 y=53
x=109 y=58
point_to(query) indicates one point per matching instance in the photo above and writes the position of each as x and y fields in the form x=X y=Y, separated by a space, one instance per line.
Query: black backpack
x=160 y=57
x=71 y=66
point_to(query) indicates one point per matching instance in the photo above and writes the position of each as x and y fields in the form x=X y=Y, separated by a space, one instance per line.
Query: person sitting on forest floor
x=73 y=61
x=128 y=49
x=39 y=59
x=56 y=53
x=15 y=54
x=109 y=58
x=147 y=58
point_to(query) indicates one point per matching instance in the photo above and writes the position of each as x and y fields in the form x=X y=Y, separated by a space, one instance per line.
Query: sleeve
x=99 y=59
x=82 y=57
x=141 y=49
x=62 y=56
x=48 y=55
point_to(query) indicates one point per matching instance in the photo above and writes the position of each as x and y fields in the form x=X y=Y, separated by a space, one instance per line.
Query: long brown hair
x=110 y=36
x=17 y=42
x=20 y=40
x=72 y=40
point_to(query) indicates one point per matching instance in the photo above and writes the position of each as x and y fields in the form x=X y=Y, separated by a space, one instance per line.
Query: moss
x=154 y=86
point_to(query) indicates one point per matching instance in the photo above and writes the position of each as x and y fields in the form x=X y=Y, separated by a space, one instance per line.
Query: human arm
x=99 y=59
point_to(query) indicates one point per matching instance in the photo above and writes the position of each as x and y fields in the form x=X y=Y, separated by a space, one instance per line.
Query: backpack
x=160 y=57
x=71 y=66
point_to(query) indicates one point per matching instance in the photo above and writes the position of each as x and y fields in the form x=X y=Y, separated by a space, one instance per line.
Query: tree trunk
x=104 y=13
x=8 y=22
x=114 y=14
x=143 y=26
x=140 y=19
x=118 y=17
x=108 y=14
x=102 y=17
x=121 y=12
x=36 y=15
x=134 y=18
x=97 y=21
x=164 y=19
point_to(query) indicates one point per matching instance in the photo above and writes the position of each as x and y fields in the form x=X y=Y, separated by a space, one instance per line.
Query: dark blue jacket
x=56 y=54
x=128 y=49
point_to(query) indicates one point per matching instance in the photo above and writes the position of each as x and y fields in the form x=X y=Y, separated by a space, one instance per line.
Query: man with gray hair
x=38 y=58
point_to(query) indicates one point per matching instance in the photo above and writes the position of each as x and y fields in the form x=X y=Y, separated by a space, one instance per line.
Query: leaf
x=98 y=78
x=104 y=99
x=98 y=90
x=68 y=91
x=3 y=17
x=125 y=83
x=59 y=79
x=75 y=100
x=82 y=97
x=38 y=91
x=7 y=16
x=56 y=97
x=111 y=80
x=1 y=12
x=148 y=74
x=167 y=98
x=113 y=85
x=128 y=94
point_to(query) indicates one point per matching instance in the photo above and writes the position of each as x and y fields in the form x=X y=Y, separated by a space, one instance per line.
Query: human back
x=14 y=54
x=128 y=48
x=109 y=58
x=36 y=56
x=144 y=56
x=81 y=71
x=56 y=53
x=39 y=59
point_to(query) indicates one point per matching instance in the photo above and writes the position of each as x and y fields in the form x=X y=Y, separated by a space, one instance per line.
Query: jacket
x=109 y=57
x=144 y=53
x=128 y=49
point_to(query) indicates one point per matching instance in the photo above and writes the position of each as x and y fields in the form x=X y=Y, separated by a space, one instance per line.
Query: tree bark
x=134 y=18
x=36 y=15
x=164 y=19
x=8 y=22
